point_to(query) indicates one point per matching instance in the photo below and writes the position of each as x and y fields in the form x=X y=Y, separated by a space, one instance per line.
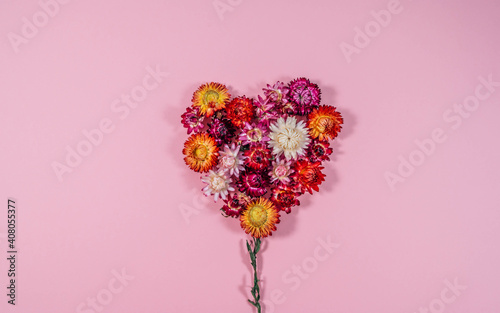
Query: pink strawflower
x=231 y=160
x=281 y=172
x=218 y=185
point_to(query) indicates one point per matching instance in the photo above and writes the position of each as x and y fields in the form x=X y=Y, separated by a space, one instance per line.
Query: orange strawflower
x=324 y=122
x=201 y=152
x=259 y=218
x=211 y=98
x=240 y=111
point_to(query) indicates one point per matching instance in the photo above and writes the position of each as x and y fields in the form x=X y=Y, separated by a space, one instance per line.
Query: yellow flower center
x=211 y=96
x=217 y=184
x=289 y=139
x=201 y=152
x=254 y=135
x=280 y=95
x=324 y=123
x=258 y=215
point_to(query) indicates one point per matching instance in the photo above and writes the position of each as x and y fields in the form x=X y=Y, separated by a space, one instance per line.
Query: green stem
x=253 y=258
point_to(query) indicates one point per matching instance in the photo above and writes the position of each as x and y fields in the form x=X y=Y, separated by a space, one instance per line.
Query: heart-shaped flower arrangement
x=260 y=154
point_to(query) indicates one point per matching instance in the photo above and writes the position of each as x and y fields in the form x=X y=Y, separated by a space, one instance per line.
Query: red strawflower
x=240 y=111
x=285 y=197
x=308 y=175
x=319 y=151
x=235 y=204
x=257 y=157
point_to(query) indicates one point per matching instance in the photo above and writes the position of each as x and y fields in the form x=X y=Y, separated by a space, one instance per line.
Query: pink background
x=124 y=206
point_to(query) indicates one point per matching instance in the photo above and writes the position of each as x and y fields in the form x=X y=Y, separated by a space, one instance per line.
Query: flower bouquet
x=259 y=154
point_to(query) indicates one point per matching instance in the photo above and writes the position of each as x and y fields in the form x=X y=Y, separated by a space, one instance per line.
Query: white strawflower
x=217 y=185
x=289 y=137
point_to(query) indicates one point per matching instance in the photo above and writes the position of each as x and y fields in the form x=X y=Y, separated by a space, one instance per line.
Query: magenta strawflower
x=252 y=184
x=304 y=95
x=265 y=110
x=276 y=93
x=221 y=130
x=254 y=133
x=192 y=120
x=234 y=204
